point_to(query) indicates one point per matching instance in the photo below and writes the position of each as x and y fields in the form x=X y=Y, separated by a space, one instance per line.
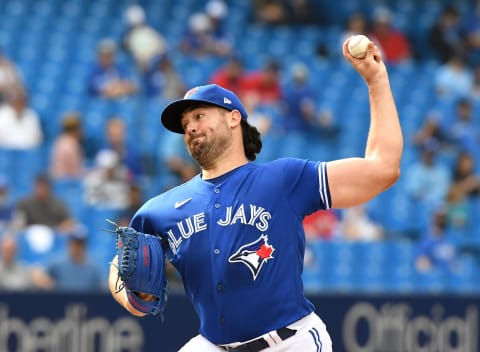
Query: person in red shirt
x=231 y=76
x=265 y=83
x=394 y=44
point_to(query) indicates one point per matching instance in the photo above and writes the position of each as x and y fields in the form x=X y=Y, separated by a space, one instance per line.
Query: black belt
x=260 y=343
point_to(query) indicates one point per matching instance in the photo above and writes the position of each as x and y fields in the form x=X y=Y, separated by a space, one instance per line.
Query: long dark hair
x=252 y=143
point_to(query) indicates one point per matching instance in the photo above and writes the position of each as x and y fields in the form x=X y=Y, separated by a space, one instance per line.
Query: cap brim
x=171 y=115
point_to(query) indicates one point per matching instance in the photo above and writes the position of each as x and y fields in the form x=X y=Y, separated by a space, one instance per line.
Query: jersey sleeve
x=141 y=222
x=306 y=184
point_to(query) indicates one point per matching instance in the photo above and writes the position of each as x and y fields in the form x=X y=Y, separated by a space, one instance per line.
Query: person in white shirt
x=107 y=185
x=20 y=126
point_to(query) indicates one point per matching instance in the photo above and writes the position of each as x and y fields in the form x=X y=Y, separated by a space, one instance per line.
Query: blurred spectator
x=464 y=191
x=427 y=182
x=67 y=156
x=471 y=31
x=303 y=12
x=445 y=36
x=176 y=164
x=299 y=102
x=216 y=11
x=431 y=131
x=475 y=92
x=453 y=79
x=199 y=39
x=6 y=207
x=107 y=79
x=463 y=131
x=116 y=141
x=465 y=178
x=257 y=117
x=265 y=83
x=231 y=76
x=42 y=207
x=106 y=185
x=356 y=24
x=270 y=12
x=457 y=208
x=267 y=121
x=356 y=225
x=435 y=251
x=163 y=80
x=14 y=274
x=10 y=79
x=140 y=39
x=322 y=224
x=135 y=201
x=394 y=44
x=20 y=126
x=74 y=271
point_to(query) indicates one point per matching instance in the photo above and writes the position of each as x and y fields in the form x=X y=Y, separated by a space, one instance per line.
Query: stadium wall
x=89 y=323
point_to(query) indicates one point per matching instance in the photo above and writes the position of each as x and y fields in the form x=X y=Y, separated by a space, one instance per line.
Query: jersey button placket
x=216 y=251
x=217 y=191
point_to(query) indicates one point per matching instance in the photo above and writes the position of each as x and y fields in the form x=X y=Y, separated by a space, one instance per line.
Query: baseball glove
x=141 y=269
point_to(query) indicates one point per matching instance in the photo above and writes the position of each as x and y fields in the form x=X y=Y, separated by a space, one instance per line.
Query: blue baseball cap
x=210 y=94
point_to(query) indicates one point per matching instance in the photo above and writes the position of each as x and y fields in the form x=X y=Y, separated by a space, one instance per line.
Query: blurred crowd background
x=82 y=85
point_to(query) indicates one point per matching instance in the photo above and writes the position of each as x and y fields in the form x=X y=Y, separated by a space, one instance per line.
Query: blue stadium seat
x=55 y=52
x=340 y=276
x=369 y=266
x=432 y=282
x=465 y=277
x=71 y=192
x=21 y=167
x=400 y=269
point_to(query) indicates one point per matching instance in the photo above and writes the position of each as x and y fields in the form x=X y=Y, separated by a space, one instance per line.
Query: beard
x=207 y=150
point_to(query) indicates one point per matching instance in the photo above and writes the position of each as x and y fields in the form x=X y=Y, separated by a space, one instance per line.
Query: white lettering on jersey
x=186 y=228
x=195 y=223
x=257 y=217
x=227 y=218
x=173 y=242
x=186 y=233
x=199 y=222
x=239 y=215
x=263 y=224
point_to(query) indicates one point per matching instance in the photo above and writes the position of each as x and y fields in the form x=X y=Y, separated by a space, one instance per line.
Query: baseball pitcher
x=234 y=232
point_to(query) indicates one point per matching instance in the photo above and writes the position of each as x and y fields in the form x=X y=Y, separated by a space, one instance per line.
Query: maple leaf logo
x=265 y=251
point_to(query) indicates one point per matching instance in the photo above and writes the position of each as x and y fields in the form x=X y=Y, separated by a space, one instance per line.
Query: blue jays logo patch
x=190 y=93
x=254 y=255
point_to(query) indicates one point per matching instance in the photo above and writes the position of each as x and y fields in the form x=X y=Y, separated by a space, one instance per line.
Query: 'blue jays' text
x=250 y=215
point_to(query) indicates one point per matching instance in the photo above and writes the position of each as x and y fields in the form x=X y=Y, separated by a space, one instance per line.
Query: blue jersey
x=238 y=243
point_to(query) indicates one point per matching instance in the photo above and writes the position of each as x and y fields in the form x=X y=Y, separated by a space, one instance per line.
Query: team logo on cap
x=190 y=93
x=254 y=255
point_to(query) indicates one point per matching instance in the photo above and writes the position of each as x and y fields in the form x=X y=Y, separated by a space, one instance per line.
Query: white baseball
x=357 y=46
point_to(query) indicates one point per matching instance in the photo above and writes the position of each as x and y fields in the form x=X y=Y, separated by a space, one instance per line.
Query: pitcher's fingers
x=346 y=53
x=371 y=50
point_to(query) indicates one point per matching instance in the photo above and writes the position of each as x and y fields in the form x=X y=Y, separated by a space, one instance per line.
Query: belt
x=260 y=343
